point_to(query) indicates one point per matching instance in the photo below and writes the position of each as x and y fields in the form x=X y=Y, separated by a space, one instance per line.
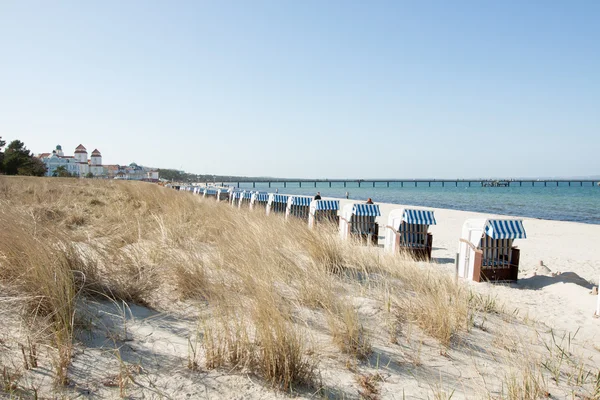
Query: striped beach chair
x=298 y=206
x=223 y=194
x=245 y=199
x=277 y=203
x=358 y=220
x=486 y=251
x=211 y=192
x=407 y=231
x=323 y=211
x=259 y=201
x=234 y=198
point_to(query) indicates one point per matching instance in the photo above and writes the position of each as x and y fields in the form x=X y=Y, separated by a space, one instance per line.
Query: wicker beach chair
x=277 y=203
x=323 y=211
x=358 y=220
x=259 y=201
x=486 y=251
x=407 y=232
x=245 y=199
x=298 y=206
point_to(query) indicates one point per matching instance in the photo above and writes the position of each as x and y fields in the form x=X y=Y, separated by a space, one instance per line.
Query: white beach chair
x=246 y=198
x=298 y=206
x=277 y=203
x=259 y=200
x=322 y=211
x=486 y=250
x=358 y=220
x=235 y=197
x=407 y=231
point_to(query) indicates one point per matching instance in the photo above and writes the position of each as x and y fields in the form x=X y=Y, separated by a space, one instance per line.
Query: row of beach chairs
x=486 y=248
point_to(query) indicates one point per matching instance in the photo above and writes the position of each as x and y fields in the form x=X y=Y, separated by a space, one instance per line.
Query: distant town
x=79 y=165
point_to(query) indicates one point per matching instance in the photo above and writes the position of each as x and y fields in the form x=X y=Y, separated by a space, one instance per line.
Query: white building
x=76 y=165
x=79 y=165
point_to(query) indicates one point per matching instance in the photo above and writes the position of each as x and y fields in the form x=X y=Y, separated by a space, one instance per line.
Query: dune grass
x=64 y=240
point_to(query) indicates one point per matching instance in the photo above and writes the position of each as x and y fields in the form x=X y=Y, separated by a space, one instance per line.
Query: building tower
x=81 y=154
x=96 y=159
x=59 y=151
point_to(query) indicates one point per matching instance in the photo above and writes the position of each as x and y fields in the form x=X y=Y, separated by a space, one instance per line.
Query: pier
x=350 y=183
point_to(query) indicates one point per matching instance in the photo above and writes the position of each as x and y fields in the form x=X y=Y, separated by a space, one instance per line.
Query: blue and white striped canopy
x=211 y=191
x=262 y=197
x=369 y=210
x=280 y=198
x=301 y=201
x=237 y=195
x=327 y=205
x=419 y=217
x=247 y=195
x=505 y=229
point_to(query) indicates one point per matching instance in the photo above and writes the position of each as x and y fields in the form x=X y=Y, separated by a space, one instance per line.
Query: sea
x=563 y=202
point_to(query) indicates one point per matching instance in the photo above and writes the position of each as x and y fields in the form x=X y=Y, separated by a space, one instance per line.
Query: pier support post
x=388 y=184
x=284 y=184
x=545 y=183
x=358 y=183
x=401 y=184
x=329 y=184
x=344 y=183
x=269 y=183
x=520 y=183
x=373 y=183
x=469 y=183
x=430 y=183
x=456 y=183
x=415 y=183
x=238 y=185
x=299 y=184
x=253 y=185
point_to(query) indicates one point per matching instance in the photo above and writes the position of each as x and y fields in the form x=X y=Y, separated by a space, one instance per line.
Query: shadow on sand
x=540 y=281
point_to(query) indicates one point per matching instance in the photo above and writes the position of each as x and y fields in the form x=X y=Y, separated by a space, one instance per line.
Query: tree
x=89 y=175
x=61 y=172
x=19 y=161
x=33 y=167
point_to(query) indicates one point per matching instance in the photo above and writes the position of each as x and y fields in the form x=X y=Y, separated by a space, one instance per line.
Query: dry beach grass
x=130 y=289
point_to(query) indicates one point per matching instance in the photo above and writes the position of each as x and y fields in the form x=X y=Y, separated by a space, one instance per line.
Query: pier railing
x=349 y=183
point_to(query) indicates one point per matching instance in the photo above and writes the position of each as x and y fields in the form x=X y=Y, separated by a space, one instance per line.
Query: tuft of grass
x=348 y=332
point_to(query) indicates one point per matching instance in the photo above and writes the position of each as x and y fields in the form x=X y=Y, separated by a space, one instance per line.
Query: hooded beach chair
x=259 y=201
x=235 y=197
x=246 y=198
x=223 y=194
x=298 y=206
x=486 y=250
x=407 y=231
x=277 y=203
x=358 y=220
x=323 y=211
x=211 y=192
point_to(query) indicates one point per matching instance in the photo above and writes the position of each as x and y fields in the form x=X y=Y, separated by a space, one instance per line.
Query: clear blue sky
x=326 y=89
